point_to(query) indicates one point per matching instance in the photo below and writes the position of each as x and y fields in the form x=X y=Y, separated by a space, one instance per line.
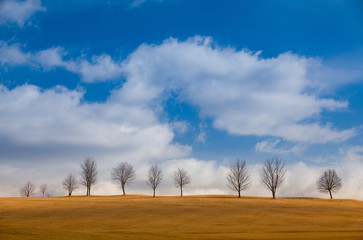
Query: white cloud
x=244 y=93
x=15 y=11
x=51 y=58
x=99 y=68
x=202 y=136
x=180 y=126
x=272 y=146
x=57 y=115
x=37 y=117
x=13 y=55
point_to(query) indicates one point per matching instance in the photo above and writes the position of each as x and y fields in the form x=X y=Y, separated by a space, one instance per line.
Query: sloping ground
x=197 y=217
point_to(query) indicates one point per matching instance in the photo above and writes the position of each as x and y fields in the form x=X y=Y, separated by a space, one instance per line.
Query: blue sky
x=184 y=83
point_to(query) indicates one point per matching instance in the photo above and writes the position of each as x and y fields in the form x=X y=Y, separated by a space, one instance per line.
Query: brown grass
x=194 y=217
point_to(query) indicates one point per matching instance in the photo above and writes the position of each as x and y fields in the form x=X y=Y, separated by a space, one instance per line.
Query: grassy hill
x=190 y=217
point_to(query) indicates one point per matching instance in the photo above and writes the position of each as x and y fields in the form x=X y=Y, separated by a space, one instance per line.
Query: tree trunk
x=181 y=190
x=239 y=194
x=69 y=194
x=331 y=196
x=273 y=195
x=123 y=189
x=154 y=193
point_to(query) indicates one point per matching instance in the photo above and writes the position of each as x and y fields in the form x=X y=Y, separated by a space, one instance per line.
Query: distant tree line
x=272 y=176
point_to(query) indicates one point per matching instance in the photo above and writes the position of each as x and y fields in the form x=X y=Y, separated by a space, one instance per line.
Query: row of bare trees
x=123 y=173
x=28 y=190
x=272 y=176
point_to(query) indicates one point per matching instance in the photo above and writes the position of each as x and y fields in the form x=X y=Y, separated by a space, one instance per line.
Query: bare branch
x=28 y=190
x=123 y=173
x=154 y=177
x=43 y=189
x=88 y=174
x=329 y=182
x=70 y=184
x=273 y=174
x=238 y=177
x=181 y=178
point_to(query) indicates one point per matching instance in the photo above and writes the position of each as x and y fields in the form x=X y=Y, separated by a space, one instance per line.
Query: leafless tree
x=181 y=178
x=123 y=173
x=273 y=174
x=154 y=177
x=329 y=182
x=43 y=189
x=88 y=174
x=238 y=178
x=70 y=183
x=28 y=190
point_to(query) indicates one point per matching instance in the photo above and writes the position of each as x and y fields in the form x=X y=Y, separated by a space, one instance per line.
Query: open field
x=191 y=217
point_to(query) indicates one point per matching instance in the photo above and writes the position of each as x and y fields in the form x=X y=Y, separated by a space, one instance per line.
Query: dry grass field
x=190 y=217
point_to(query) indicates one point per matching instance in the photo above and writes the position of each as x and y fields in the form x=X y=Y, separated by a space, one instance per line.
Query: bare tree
x=28 y=190
x=70 y=184
x=181 y=178
x=123 y=173
x=88 y=174
x=154 y=177
x=329 y=182
x=43 y=189
x=238 y=177
x=273 y=174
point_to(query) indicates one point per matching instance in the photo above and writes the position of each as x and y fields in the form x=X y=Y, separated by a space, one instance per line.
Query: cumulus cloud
x=51 y=58
x=13 y=55
x=35 y=116
x=14 y=11
x=98 y=68
x=244 y=93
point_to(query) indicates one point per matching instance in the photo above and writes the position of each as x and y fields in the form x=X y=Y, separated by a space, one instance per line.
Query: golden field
x=189 y=217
